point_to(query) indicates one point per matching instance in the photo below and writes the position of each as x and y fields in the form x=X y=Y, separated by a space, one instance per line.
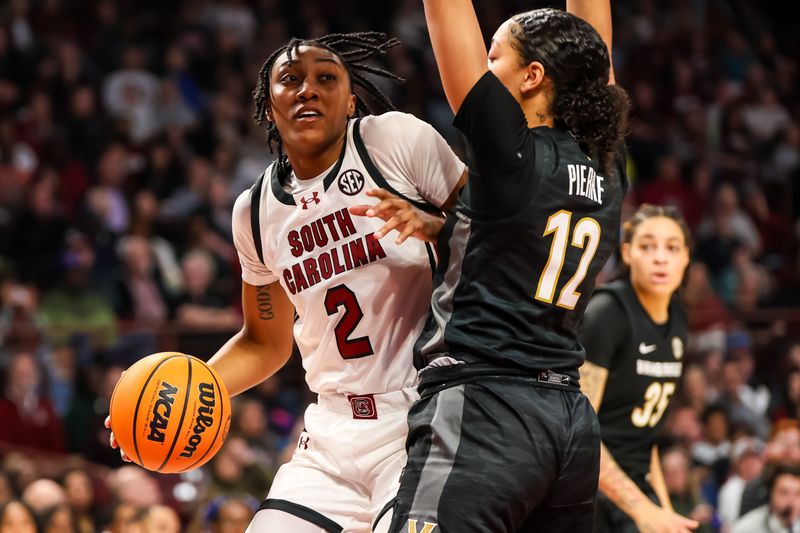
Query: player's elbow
x=273 y=350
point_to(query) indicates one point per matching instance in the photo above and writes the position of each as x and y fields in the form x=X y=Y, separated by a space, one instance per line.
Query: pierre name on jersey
x=585 y=181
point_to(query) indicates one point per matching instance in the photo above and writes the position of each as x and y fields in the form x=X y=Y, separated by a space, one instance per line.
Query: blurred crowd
x=126 y=134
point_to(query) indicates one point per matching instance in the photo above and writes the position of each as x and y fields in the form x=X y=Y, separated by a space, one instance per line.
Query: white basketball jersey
x=361 y=302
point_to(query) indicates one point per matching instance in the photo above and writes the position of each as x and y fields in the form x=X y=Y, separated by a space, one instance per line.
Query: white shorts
x=345 y=471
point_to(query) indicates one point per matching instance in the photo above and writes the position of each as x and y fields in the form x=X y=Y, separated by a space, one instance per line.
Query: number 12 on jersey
x=585 y=235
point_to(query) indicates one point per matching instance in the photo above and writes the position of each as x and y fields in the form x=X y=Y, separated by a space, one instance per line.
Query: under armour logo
x=303 y=444
x=427 y=527
x=314 y=198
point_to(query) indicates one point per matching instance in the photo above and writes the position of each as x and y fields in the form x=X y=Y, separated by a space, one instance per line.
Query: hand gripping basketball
x=170 y=412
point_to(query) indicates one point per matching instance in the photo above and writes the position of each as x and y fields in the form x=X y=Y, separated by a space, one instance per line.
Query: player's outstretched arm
x=264 y=343
x=598 y=14
x=458 y=46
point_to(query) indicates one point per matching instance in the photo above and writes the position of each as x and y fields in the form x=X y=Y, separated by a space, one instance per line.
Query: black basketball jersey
x=644 y=362
x=519 y=256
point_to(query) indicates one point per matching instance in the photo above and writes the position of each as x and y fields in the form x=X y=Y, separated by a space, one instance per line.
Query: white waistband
x=385 y=402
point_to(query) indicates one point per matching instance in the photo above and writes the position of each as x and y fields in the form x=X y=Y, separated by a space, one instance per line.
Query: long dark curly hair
x=576 y=60
x=353 y=49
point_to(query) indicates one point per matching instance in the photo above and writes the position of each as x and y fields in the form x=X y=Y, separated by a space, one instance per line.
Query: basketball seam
x=221 y=420
x=138 y=403
x=183 y=415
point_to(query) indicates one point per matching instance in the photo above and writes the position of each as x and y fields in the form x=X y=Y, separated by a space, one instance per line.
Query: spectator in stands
x=235 y=470
x=156 y=519
x=17 y=517
x=249 y=422
x=782 y=512
x=783 y=448
x=58 y=519
x=80 y=497
x=38 y=239
x=667 y=187
x=118 y=518
x=24 y=408
x=75 y=308
x=694 y=388
x=747 y=463
x=713 y=451
x=44 y=494
x=141 y=297
x=199 y=307
x=6 y=488
x=131 y=94
x=134 y=486
x=230 y=514
x=675 y=465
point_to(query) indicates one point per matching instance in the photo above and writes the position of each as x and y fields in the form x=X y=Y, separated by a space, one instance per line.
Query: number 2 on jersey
x=342 y=296
x=559 y=224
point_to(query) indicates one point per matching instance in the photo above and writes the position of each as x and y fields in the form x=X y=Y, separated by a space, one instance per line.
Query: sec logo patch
x=351 y=182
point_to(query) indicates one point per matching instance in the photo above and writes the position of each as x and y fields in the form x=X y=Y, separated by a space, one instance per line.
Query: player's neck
x=307 y=165
x=656 y=305
x=537 y=111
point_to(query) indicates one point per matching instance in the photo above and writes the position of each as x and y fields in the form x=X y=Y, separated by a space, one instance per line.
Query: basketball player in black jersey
x=634 y=333
x=502 y=440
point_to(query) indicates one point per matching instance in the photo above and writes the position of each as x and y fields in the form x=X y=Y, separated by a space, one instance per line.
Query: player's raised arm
x=264 y=343
x=598 y=14
x=458 y=46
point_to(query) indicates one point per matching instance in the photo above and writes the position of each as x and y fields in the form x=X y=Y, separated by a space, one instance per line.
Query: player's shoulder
x=397 y=124
x=243 y=203
x=609 y=299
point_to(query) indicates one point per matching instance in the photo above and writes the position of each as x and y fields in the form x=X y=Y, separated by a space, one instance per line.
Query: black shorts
x=500 y=455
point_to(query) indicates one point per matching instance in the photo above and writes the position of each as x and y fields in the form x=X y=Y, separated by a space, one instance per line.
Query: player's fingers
x=384 y=208
x=359 y=210
x=112 y=441
x=107 y=422
x=124 y=456
x=389 y=226
x=689 y=523
x=410 y=229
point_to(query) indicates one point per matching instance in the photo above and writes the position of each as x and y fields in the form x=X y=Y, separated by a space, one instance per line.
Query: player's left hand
x=400 y=215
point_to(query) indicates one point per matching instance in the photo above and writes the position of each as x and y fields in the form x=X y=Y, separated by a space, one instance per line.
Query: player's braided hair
x=576 y=60
x=354 y=49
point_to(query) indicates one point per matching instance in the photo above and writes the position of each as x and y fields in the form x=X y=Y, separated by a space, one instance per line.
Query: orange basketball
x=170 y=412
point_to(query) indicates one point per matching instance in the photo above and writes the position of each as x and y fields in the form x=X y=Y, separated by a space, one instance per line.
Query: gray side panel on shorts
x=446 y=428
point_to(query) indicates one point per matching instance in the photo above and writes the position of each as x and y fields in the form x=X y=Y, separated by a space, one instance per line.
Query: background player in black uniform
x=501 y=439
x=634 y=333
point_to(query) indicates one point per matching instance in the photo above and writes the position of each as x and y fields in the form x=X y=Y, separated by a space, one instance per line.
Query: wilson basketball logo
x=204 y=418
x=351 y=182
x=161 y=411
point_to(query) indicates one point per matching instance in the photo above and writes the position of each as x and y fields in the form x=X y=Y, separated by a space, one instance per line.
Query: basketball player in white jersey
x=360 y=301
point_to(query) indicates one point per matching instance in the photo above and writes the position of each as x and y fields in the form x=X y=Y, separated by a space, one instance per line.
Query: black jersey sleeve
x=493 y=123
x=605 y=329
